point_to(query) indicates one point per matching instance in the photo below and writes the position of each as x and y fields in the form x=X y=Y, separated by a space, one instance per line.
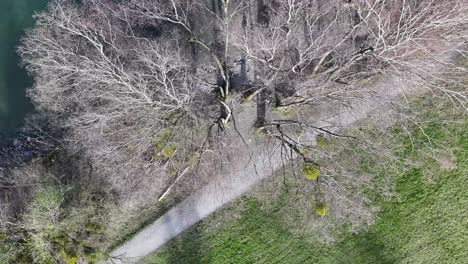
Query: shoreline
x=19 y=149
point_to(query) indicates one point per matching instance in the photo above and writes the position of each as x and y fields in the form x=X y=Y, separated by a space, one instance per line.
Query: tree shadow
x=186 y=248
x=367 y=248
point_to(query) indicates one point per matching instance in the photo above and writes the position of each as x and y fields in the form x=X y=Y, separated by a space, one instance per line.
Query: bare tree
x=146 y=85
x=115 y=89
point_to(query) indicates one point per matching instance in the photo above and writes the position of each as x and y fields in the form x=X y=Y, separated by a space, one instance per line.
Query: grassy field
x=425 y=221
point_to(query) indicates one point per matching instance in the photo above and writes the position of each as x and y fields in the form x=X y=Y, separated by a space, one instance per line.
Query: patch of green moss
x=172 y=172
x=95 y=228
x=160 y=140
x=174 y=117
x=310 y=171
x=56 y=239
x=321 y=209
x=71 y=259
x=168 y=151
x=322 y=142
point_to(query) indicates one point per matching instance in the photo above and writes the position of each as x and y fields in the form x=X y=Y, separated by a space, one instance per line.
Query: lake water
x=15 y=17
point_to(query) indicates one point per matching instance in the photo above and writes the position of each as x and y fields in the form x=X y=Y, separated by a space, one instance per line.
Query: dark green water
x=15 y=18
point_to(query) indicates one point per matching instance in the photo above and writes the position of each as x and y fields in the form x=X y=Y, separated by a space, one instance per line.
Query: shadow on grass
x=371 y=249
x=183 y=249
x=187 y=252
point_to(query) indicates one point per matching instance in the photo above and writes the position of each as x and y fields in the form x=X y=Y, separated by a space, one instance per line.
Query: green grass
x=426 y=221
